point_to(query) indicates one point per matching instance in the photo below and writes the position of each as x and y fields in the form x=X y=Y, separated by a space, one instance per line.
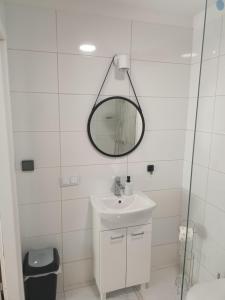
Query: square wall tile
x=33 y=71
x=84 y=75
x=160 y=145
x=217 y=161
x=31 y=28
x=219 y=121
x=199 y=181
x=164 y=256
x=168 y=203
x=40 y=219
x=164 y=113
x=204 y=275
x=165 y=231
x=35 y=112
x=150 y=77
x=209 y=77
x=202 y=148
x=77 y=29
x=186 y=176
x=213 y=257
x=42 y=242
x=77 y=245
x=74 y=111
x=194 y=80
x=160 y=42
x=197 y=210
x=94 y=180
x=42 y=185
x=215 y=224
x=78 y=273
x=43 y=148
x=221 y=73
x=222 y=43
x=191 y=113
x=205 y=114
x=197 y=41
x=167 y=175
x=212 y=37
x=76 y=214
x=78 y=150
x=188 y=149
x=216 y=189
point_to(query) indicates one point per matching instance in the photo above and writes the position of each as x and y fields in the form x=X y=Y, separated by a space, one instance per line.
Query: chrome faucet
x=117 y=187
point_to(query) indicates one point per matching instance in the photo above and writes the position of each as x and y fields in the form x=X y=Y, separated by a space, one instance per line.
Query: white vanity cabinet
x=138 y=254
x=122 y=257
x=112 y=259
x=122 y=233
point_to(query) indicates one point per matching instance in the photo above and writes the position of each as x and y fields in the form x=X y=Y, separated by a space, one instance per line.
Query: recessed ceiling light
x=87 y=48
x=188 y=55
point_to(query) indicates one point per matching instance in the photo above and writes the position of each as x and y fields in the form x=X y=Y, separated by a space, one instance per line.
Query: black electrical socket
x=150 y=169
x=27 y=165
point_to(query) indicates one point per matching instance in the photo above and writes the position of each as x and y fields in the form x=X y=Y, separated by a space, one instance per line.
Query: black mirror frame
x=92 y=113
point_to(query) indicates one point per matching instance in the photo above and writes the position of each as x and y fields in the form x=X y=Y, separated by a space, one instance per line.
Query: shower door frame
x=10 y=244
x=193 y=149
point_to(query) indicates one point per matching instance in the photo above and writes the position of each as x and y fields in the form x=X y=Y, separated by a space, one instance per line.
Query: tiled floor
x=162 y=288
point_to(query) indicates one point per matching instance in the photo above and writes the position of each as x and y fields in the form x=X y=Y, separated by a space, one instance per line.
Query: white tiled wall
x=53 y=89
x=207 y=201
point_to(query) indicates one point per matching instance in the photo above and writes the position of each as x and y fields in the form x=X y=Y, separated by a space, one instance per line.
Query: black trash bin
x=40 y=268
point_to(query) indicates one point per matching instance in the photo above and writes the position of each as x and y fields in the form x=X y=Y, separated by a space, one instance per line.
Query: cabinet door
x=138 y=255
x=112 y=260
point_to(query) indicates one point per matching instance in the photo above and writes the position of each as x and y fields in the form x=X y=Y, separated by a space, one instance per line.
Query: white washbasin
x=123 y=210
x=213 y=290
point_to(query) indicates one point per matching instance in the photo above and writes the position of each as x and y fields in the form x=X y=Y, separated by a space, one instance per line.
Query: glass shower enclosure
x=204 y=167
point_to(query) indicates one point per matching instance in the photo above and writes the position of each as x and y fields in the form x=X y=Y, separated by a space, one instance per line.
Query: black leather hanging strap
x=107 y=73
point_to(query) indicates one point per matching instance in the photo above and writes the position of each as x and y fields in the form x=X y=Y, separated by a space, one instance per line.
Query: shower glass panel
x=204 y=167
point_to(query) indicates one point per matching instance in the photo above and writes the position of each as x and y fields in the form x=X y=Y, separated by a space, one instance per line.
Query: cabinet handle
x=137 y=234
x=117 y=237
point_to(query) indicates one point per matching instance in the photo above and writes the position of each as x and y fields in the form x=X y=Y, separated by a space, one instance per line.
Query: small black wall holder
x=27 y=165
x=150 y=169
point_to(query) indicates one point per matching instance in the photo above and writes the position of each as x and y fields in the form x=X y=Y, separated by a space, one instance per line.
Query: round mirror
x=116 y=126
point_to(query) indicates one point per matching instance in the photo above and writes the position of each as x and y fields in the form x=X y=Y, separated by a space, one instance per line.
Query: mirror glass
x=116 y=126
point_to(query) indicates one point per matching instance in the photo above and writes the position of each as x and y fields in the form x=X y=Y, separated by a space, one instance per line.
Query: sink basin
x=124 y=210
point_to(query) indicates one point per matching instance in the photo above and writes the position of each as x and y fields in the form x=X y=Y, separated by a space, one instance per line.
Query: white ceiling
x=182 y=10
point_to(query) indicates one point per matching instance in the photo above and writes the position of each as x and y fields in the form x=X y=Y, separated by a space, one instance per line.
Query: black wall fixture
x=27 y=165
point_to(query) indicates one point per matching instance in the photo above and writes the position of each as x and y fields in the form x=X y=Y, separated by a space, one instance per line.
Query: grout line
x=133 y=59
x=57 y=234
x=166 y=244
x=77 y=260
x=106 y=95
x=39 y=203
x=167 y=217
x=110 y=163
x=84 y=131
x=60 y=148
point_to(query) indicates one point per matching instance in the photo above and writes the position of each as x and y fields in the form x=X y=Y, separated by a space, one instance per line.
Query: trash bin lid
x=40 y=258
x=43 y=261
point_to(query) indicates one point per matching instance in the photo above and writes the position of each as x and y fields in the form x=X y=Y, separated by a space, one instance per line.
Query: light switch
x=67 y=181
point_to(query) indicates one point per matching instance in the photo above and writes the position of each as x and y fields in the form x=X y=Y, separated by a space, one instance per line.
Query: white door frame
x=10 y=244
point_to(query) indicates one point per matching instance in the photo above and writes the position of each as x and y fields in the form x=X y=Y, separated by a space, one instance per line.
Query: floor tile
x=86 y=293
x=60 y=297
x=162 y=288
